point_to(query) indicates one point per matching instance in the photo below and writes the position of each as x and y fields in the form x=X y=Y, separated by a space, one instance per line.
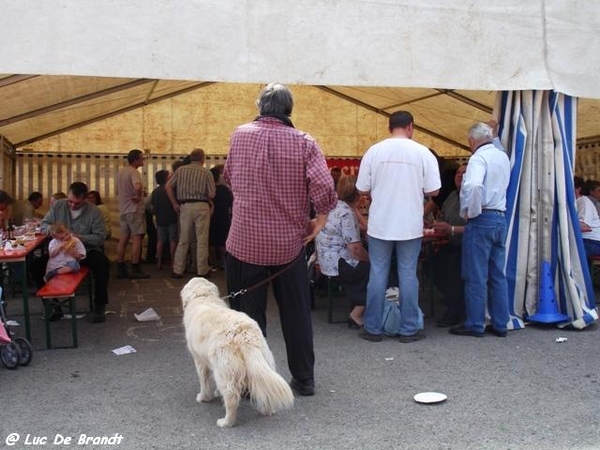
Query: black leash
x=265 y=281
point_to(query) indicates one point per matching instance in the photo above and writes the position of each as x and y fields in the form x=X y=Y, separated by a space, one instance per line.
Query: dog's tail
x=269 y=392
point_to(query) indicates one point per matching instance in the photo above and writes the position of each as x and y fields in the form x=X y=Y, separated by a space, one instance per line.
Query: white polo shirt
x=397 y=172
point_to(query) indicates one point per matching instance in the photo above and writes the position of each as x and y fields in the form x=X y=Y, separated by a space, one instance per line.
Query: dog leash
x=260 y=283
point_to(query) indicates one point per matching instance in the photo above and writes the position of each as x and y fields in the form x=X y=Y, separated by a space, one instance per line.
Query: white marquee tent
x=68 y=63
x=451 y=44
x=358 y=49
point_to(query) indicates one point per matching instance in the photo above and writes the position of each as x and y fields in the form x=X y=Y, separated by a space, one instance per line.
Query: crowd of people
x=285 y=198
x=78 y=224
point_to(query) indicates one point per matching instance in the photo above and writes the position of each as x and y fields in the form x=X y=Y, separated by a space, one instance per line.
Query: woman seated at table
x=340 y=252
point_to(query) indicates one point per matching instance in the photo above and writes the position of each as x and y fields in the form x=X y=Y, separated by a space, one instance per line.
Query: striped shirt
x=275 y=172
x=192 y=182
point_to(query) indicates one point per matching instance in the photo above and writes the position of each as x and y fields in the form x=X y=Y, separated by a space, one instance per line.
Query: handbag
x=391 y=312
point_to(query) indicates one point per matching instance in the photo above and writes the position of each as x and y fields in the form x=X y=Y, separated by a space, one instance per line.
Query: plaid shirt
x=275 y=172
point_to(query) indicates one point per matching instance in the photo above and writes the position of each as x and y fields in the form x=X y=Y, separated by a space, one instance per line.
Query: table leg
x=431 y=265
x=25 y=301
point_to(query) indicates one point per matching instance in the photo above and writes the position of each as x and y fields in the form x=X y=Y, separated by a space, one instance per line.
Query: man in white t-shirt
x=588 y=220
x=398 y=173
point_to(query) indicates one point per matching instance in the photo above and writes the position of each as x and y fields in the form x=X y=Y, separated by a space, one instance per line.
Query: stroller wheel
x=26 y=351
x=10 y=355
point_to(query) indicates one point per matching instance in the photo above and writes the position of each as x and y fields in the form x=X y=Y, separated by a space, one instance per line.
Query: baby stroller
x=13 y=352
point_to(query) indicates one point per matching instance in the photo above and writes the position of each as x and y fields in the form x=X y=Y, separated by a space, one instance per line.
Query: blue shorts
x=73 y=265
x=167 y=233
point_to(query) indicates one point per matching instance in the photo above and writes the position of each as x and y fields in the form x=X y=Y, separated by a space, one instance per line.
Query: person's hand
x=311 y=231
x=313 y=227
x=493 y=125
x=443 y=228
x=362 y=202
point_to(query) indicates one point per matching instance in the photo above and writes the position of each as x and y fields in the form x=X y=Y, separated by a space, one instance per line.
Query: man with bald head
x=191 y=190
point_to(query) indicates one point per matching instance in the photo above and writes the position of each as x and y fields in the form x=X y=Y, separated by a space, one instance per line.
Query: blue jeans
x=483 y=260
x=592 y=248
x=407 y=254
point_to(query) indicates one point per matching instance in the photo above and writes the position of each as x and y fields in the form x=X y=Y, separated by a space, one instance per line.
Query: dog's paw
x=224 y=423
x=266 y=411
x=202 y=398
x=217 y=394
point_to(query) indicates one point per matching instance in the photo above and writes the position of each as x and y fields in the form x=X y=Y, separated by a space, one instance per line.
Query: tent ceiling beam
x=387 y=114
x=151 y=91
x=115 y=113
x=13 y=79
x=414 y=100
x=466 y=100
x=73 y=101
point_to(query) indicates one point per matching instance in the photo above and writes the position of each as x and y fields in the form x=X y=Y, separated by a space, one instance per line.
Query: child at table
x=64 y=251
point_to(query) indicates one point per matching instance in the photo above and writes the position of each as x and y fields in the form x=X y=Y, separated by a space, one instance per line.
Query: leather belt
x=181 y=202
x=497 y=211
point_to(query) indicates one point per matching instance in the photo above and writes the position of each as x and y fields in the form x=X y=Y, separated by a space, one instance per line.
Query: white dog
x=230 y=351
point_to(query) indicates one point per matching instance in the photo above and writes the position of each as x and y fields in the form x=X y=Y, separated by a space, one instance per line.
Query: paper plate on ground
x=430 y=397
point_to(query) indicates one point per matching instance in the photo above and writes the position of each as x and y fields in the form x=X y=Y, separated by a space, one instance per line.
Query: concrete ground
x=525 y=391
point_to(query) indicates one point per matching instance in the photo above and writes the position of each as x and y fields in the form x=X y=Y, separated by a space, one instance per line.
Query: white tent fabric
x=537 y=129
x=457 y=44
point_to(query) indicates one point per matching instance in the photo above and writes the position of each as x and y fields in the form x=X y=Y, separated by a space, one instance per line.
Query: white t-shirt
x=588 y=214
x=397 y=172
x=62 y=258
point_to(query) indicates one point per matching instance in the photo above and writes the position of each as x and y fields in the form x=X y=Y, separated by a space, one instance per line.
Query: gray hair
x=275 y=98
x=481 y=132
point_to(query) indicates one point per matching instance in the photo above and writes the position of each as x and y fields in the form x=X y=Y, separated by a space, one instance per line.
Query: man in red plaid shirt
x=276 y=172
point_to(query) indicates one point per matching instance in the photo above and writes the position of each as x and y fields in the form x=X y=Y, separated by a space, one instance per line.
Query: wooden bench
x=62 y=288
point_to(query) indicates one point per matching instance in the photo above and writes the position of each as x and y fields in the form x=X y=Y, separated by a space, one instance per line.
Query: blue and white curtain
x=538 y=130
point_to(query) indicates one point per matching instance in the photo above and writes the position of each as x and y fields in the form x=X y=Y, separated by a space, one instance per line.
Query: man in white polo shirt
x=398 y=173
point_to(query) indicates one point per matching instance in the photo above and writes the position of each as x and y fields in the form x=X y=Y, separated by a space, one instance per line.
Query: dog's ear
x=199 y=287
x=184 y=300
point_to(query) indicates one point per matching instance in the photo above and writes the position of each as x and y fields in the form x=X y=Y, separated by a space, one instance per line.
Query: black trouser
x=100 y=267
x=448 y=279
x=152 y=237
x=98 y=264
x=354 y=280
x=292 y=295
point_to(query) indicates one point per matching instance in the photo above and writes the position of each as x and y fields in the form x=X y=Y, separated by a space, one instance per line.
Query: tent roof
x=38 y=107
x=449 y=57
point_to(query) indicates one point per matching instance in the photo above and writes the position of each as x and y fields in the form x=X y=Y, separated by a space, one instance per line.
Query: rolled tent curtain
x=537 y=129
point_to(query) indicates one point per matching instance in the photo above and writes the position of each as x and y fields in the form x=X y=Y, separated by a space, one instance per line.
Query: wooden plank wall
x=50 y=173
